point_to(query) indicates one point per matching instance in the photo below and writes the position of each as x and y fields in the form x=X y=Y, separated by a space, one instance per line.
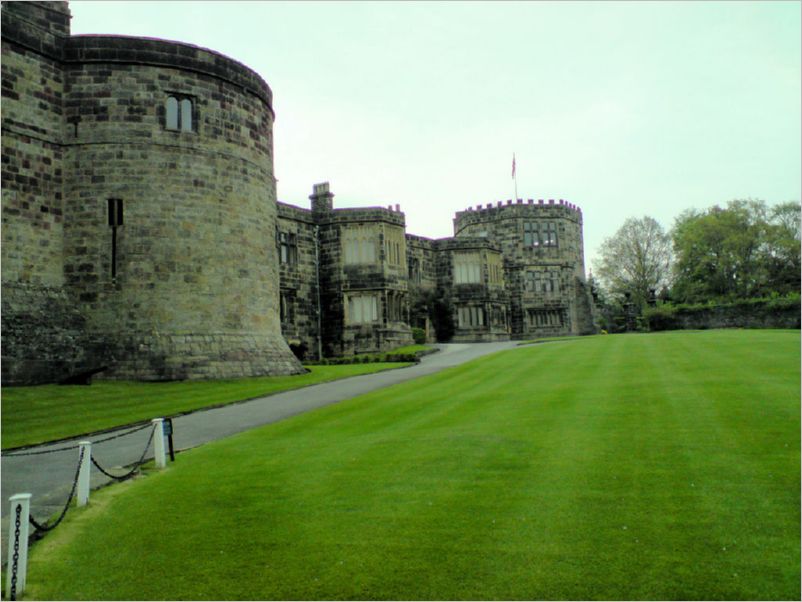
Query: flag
x=513 y=165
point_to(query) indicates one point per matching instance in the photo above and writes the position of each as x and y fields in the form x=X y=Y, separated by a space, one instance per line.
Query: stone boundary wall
x=754 y=314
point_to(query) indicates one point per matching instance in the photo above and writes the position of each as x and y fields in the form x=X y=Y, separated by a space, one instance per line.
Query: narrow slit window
x=115 y=221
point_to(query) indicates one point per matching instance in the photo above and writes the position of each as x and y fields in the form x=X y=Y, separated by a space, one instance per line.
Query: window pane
x=186 y=115
x=171 y=110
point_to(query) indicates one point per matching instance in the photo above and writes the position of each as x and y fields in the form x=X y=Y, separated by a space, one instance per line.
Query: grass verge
x=656 y=466
x=48 y=412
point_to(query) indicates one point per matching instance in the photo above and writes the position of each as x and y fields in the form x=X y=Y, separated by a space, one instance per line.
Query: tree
x=636 y=260
x=741 y=251
x=782 y=249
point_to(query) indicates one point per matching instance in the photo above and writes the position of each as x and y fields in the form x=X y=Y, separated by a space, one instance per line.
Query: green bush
x=419 y=336
x=662 y=317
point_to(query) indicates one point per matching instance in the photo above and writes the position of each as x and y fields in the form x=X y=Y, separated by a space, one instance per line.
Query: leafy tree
x=782 y=250
x=741 y=251
x=636 y=260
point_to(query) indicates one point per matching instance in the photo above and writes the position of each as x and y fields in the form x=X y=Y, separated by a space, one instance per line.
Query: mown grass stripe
x=606 y=468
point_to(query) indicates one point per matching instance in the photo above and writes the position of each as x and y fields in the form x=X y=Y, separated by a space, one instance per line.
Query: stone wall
x=40 y=329
x=749 y=313
x=545 y=282
x=139 y=204
x=299 y=276
x=422 y=282
x=479 y=308
x=362 y=254
x=184 y=283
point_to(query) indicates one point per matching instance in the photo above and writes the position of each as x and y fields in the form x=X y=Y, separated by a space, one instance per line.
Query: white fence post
x=158 y=443
x=16 y=576
x=85 y=452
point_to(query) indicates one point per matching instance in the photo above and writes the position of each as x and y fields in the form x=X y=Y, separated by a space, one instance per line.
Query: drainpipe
x=317 y=290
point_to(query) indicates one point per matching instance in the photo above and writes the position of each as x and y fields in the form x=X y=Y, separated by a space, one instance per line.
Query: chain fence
x=62 y=449
x=44 y=527
x=16 y=582
x=136 y=465
x=15 y=556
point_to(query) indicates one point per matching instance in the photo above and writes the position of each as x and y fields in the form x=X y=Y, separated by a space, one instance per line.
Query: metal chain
x=39 y=453
x=44 y=527
x=136 y=430
x=15 y=557
x=136 y=464
x=61 y=449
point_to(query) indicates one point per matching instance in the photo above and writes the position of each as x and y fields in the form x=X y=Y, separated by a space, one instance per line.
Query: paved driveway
x=49 y=477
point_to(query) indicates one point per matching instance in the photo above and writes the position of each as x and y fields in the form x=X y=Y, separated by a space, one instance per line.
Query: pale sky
x=623 y=108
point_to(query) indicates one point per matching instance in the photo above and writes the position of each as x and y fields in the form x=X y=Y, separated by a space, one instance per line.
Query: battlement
x=534 y=209
x=520 y=202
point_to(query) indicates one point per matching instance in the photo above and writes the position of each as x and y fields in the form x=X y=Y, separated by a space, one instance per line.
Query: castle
x=142 y=234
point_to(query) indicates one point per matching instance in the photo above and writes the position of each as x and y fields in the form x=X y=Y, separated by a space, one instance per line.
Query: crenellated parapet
x=531 y=208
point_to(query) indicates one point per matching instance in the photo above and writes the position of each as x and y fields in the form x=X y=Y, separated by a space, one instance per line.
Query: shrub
x=419 y=336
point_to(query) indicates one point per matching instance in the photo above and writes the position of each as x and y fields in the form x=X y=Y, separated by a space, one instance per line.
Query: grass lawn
x=658 y=466
x=48 y=412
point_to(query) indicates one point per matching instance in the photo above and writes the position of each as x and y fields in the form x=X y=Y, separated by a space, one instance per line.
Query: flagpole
x=515 y=176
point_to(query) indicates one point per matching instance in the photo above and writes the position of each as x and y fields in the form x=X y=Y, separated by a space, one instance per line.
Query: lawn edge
x=185 y=413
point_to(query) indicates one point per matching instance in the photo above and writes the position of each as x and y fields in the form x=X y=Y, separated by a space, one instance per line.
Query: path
x=49 y=477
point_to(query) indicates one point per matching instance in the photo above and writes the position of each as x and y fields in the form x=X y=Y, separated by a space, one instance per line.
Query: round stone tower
x=170 y=210
x=544 y=263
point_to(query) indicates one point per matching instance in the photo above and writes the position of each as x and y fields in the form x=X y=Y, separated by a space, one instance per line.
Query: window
x=550 y=235
x=554 y=278
x=359 y=247
x=394 y=307
x=288 y=248
x=498 y=317
x=287 y=307
x=531 y=234
x=393 y=252
x=178 y=113
x=414 y=270
x=115 y=220
x=467 y=268
x=546 y=318
x=394 y=246
x=540 y=234
x=495 y=270
x=362 y=309
x=543 y=282
x=471 y=316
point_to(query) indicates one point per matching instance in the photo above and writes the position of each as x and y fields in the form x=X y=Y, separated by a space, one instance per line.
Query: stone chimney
x=322 y=200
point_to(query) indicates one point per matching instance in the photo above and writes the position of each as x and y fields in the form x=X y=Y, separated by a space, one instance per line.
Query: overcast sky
x=625 y=109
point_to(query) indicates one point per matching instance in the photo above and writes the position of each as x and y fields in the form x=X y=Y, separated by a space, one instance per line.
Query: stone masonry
x=138 y=208
x=512 y=270
x=142 y=234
